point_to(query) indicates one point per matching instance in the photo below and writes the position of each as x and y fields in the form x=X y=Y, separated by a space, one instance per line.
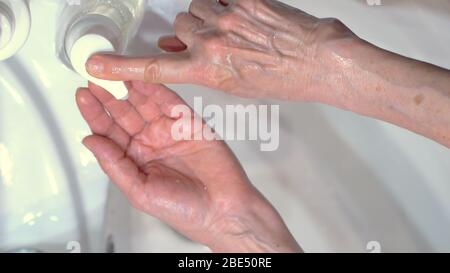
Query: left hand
x=198 y=187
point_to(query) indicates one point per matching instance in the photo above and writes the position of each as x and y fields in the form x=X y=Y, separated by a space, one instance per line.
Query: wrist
x=256 y=228
x=330 y=50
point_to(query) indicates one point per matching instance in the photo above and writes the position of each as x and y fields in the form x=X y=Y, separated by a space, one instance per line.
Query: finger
x=164 y=68
x=147 y=108
x=171 y=44
x=207 y=10
x=121 y=111
x=120 y=168
x=185 y=27
x=159 y=95
x=98 y=119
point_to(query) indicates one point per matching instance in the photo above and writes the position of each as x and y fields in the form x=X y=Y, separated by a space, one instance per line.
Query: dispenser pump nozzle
x=15 y=23
x=83 y=49
x=6 y=27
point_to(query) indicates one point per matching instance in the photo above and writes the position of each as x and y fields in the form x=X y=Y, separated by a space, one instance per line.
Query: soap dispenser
x=98 y=26
x=15 y=22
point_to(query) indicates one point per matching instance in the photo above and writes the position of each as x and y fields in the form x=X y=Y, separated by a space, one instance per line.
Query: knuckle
x=212 y=44
x=152 y=71
x=180 y=22
x=180 y=18
x=193 y=5
x=227 y=20
x=216 y=76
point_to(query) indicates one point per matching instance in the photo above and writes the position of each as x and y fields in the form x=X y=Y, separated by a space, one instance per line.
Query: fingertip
x=88 y=142
x=95 y=65
x=80 y=92
x=83 y=96
x=98 y=145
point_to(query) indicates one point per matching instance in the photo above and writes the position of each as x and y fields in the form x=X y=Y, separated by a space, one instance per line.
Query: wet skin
x=256 y=49
x=197 y=187
x=265 y=49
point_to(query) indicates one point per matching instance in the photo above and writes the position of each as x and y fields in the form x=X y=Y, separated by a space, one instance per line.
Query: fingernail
x=95 y=66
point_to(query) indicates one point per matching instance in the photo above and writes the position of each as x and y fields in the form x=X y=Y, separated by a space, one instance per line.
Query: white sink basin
x=339 y=180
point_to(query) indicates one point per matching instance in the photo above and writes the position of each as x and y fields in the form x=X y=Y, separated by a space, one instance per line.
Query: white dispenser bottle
x=95 y=26
x=15 y=23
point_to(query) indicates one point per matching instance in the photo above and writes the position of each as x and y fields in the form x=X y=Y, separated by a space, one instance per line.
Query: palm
x=177 y=181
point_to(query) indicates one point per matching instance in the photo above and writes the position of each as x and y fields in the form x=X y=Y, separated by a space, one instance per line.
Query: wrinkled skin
x=249 y=48
x=197 y=187
x=266 y=49
x=258 y=49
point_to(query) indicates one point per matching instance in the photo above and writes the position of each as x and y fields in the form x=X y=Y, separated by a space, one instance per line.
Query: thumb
x=163 y=68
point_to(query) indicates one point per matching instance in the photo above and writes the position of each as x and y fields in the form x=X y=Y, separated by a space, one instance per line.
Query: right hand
x=249 y=48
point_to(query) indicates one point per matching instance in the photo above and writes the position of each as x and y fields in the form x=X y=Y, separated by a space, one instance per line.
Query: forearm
x=389 y=87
